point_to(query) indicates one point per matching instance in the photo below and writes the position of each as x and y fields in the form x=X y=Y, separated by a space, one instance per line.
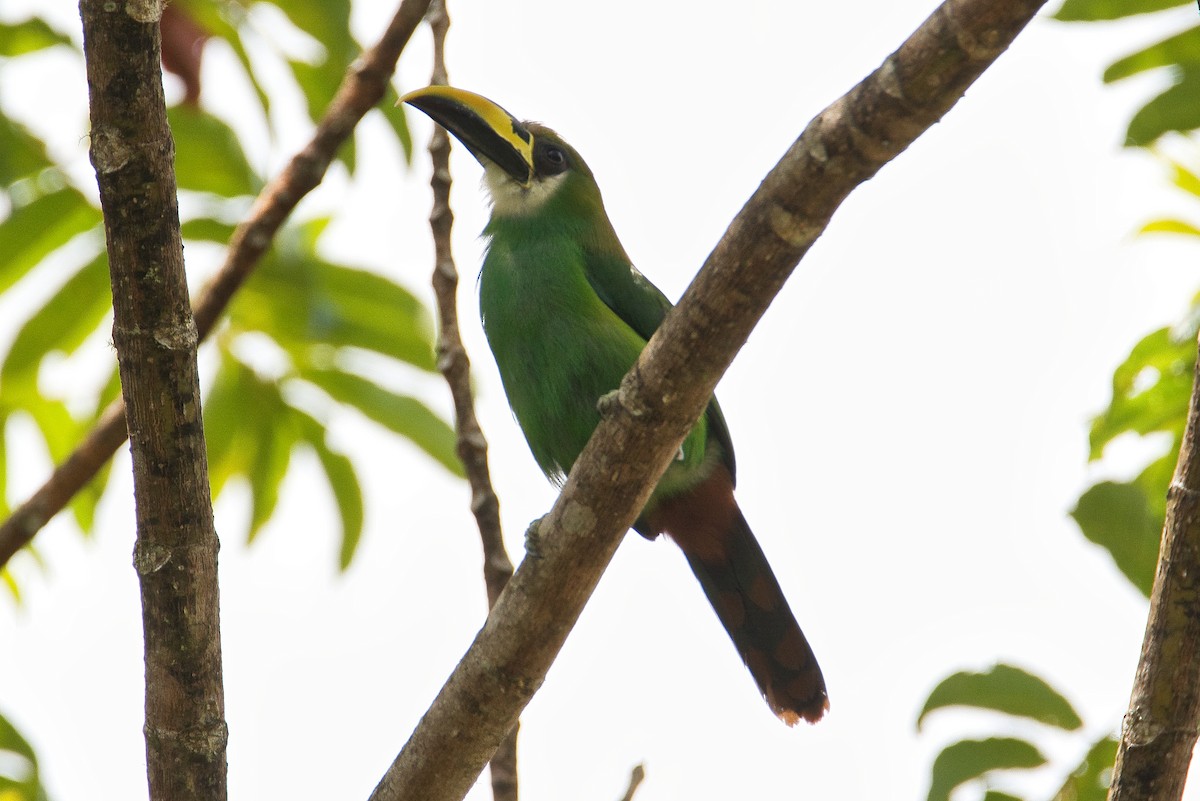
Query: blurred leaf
x=19 y=779
x=1151 y=390
x=1177 y=109
x=1168 y=226
x=302 y=302
x=223 y=21
x=248 y=433
x=320 y=82
x=1089 y=781
x=1184 y=178
x=209 y=156
x=38 y=228
x=10 y=583
x=21 y=153
x=1006 y=689
x=329 y=23
x=207 y=229
x=276 y=436
x=68 y=318
x=397 y=117
x=1089 y=10
x=18 y=38
x=1119 y=518
x=343 y=481
x=1182 y=48
x=404 y=415
x=996 y=795
x=972 y=759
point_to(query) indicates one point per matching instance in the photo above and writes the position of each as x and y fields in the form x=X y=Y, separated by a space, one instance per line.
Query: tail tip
x=810 y=712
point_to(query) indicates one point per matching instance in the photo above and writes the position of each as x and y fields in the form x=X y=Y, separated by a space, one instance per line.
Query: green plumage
x=566 y=315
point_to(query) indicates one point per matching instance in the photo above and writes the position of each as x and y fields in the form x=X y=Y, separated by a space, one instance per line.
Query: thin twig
x=456 y=367
x=363 y=87
x=1160 y=728
x=155 y=337
x=636 y=777
x=671 y=383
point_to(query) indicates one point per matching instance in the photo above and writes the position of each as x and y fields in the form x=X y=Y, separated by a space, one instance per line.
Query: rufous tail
x=731 y=567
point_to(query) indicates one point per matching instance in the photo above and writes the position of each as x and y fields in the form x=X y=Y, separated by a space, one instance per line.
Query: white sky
x=910 y=418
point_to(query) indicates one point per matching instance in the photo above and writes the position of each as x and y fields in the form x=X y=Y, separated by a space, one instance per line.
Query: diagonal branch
x=671 y=383
x=1160 y=728
x=363 y=87
x=456 y=367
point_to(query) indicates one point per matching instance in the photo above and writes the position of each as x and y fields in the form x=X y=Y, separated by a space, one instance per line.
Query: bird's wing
x=642 y=306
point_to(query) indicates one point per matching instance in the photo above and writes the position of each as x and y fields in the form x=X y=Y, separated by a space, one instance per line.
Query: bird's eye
x=551 y=160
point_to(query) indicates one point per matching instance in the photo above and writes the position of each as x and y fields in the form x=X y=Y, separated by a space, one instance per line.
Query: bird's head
x=525 y=164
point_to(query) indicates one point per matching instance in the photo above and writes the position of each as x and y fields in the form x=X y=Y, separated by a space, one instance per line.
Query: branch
x=155 y=337
x=1159 y=732
x=456 y=367
x=669 y=387
x=636 y=777
x=363 y=87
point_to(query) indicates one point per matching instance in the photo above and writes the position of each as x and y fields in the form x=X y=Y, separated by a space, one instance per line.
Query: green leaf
x=40 y=227
x=1170 y=226
x=1090 y=781
x=1151 y=390
x=397 y=118
x=270 y=463
x=1185 y=179
x=19 y=38
x=972 y=759
x=248 y=431
x=996 y=795
x=320 y=83
x=19 y=778
x=1182 y=48
x=1120 y=518
x=1177 y=109
x=206 y=229
x=21 y=153
x=304 y=303
x=1090 y=10
x=343 y=481
x=1005 y=689
x=404 y=415
x=209 y=156
x=62 y=324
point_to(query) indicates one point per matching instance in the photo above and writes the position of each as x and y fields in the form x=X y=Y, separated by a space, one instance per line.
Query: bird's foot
x=608 y=403
x=533 y=539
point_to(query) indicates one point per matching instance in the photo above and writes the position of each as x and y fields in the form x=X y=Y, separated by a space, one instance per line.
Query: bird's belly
x=554 y=374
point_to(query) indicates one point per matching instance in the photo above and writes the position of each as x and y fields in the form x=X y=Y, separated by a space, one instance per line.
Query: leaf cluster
x=1017 y=695
x=19 y=777
x=1177 y=108
x=299 y=337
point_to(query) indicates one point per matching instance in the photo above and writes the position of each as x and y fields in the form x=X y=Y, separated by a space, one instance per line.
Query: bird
x=566 y=315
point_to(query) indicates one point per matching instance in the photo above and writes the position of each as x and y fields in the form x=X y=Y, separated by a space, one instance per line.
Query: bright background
x=910 y=416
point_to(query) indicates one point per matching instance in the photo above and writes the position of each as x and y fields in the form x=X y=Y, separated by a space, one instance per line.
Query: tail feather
x=735 y=575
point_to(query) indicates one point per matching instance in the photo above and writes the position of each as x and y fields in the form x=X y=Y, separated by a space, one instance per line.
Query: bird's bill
x=486 y=129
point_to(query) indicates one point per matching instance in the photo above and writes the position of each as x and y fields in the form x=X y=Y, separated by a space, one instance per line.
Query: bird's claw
x=533 y=541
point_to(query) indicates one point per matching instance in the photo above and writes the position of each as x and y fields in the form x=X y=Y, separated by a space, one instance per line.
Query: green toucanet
x=566 y=315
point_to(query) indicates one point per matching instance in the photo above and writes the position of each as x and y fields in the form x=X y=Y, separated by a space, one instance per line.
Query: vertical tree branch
x=363 y=87
x=456 y=367
x=1160 y=728
x=669 y=387
x=155 y=337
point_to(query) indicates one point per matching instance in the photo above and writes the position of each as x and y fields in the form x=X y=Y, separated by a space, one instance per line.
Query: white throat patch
x=510 y=199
